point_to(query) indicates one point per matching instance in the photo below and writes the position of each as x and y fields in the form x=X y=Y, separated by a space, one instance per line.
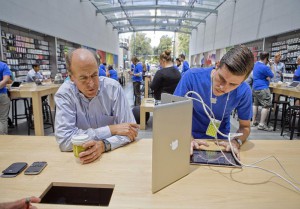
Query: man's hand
x=196 y=145
x=235 y=147
x=125 y=129
x=22 y=204
x=93 y=151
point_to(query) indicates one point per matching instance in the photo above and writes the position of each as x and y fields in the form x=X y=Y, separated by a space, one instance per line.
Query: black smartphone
x=35 y=168
x=13 y=170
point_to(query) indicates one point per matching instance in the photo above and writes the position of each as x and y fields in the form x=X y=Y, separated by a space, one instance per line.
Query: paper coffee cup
x=78 y=141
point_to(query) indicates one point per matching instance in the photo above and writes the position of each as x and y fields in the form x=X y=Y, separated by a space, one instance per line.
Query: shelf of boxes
x=22 y=52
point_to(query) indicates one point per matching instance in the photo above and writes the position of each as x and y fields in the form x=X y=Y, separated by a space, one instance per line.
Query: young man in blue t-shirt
x=222 y=89
x=4 y=99
x=137 y=77
x=262 y=74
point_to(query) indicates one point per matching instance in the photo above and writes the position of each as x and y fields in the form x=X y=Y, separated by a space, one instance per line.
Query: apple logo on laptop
x=174 y=144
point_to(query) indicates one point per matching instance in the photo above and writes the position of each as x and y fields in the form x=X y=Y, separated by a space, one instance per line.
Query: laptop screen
x=294 y=84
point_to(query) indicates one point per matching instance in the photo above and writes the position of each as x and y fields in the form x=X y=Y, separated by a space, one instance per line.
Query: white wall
x=70 y=20
x=245 y=21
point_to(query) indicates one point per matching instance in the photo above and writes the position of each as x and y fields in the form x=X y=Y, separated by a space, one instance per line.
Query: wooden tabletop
x=129 y=169
x=291 y=92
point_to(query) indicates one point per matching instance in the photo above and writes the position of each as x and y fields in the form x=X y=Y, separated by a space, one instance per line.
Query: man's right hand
x=125 y=129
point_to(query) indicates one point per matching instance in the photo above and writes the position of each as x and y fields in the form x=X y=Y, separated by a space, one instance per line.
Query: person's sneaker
x=254 y=124
x=264 y=127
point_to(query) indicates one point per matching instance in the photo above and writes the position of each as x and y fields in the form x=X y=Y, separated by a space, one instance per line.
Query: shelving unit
x=289 y=49
x=21 y=52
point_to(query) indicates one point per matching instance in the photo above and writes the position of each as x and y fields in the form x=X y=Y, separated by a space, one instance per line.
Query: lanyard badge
x=211 y=130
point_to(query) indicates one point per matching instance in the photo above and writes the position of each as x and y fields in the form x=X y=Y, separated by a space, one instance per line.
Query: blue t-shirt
x=199 y=80
x=114 y=74
x=185 y=66
x=138 y=70
x=297 y=74
x=102 y=70
x=260 y=73
x=4 y=71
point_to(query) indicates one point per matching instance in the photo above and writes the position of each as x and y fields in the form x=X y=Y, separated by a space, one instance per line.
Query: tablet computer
x=213 y=157
x=15 y=84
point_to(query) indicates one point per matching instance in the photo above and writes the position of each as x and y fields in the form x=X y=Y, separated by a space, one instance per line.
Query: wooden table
x=147 y=105
x=30 y=90
x=291 y=92
x=147 y=81
x=129 y=169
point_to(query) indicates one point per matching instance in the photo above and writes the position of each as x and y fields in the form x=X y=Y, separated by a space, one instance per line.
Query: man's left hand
x=93 y=151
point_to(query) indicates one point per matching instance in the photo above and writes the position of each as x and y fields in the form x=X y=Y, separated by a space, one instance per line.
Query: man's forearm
x=245 y=131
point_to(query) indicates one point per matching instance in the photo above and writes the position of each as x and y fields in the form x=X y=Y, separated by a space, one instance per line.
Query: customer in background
x=137 y=74
x=92 y=105
x=102 y=70
x=4 y=99
x=24 y=203
x=166 y=79
x=185 y=64
x=262 y=74
x=113 y=73
x=34 y=73
x=222 y=89
x=278 y=68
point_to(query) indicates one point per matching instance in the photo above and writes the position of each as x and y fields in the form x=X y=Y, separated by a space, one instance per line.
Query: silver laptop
x=172 y=128
x=169 y=98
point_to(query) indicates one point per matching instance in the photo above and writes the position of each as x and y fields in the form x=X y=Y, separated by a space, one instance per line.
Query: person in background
x=102 y=70
x=185 y=64
x=113 y=73
x=222 y=89
x=137 y=79
x=278 y=68
x=92 y=105
x=148 y=67
x=34 y=73
x=297 y=78
x=4 y=99
x=166 y=79
x=262 y=74
x=178 y=65
x=24 y=203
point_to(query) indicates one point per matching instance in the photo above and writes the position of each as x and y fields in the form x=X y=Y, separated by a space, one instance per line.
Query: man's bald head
x=80 y=56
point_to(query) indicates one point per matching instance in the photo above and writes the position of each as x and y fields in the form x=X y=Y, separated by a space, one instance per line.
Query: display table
x=30 y=90
x=291 y=92
x=147 y=105
x=129 y=169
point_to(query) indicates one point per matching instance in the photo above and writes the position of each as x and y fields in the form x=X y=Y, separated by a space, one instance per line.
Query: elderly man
x=92 y=105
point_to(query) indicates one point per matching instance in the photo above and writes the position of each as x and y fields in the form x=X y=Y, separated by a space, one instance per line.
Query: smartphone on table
x=13 y=170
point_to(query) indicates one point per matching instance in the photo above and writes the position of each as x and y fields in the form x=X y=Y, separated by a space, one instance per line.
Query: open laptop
x=172 y=125
x=293 y=84
x=16 y=84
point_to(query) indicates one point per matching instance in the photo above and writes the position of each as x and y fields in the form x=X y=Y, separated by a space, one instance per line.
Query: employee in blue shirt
x=262 y=74
x=297 y=71
x=222 y=89
x=113 y=73
x=185 y=64
x=4 y=99
x=137 y=77
x=102 y=69
x=92 y=105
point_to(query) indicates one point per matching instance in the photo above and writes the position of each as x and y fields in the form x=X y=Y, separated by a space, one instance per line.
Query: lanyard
x=214 y=100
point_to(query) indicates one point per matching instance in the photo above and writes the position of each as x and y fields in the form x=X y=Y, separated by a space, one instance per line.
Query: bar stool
x=284 y=108
x=293 y=112
x=15 y=115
